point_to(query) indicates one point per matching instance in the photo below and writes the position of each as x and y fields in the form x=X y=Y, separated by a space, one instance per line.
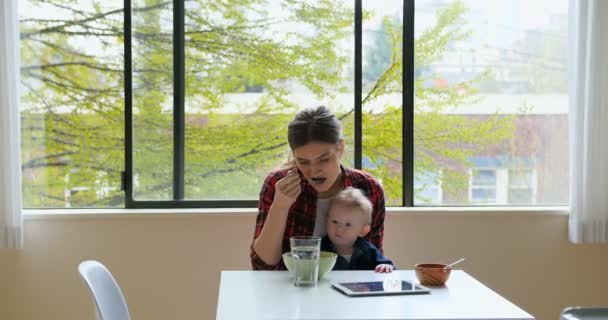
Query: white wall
x=169 y=265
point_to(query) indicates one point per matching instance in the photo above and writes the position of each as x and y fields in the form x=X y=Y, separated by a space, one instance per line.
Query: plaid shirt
x=301 y=217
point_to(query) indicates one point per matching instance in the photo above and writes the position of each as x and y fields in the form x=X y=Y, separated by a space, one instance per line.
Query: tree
x=74 y=104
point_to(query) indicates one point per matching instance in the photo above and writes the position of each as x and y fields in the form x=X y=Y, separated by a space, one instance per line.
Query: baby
x=348 y=220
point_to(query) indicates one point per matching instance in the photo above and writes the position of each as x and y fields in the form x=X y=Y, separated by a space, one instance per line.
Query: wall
x=169 y=265
x=7 y=271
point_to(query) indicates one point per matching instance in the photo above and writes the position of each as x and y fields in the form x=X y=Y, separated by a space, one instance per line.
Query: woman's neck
x=334 y=189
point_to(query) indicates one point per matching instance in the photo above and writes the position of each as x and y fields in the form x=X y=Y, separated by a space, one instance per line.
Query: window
x=503 y=186
x=483 y=186
x=189 y=101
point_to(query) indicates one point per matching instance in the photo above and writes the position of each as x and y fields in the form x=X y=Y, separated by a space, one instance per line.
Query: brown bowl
x=432 y=274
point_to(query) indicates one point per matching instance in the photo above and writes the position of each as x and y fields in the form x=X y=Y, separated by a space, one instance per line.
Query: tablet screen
x=379 y=288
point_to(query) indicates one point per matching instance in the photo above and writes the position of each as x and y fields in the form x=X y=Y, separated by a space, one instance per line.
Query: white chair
x=109 y=302
x=584 y=313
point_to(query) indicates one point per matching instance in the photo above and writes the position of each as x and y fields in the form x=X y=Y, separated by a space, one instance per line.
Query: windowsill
x=42 y=214
x=536 y=210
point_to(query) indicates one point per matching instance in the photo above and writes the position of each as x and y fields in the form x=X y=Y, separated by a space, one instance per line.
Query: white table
x=272 y=295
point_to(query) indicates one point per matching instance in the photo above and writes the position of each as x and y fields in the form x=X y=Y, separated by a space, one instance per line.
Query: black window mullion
x=408 y=103
x=358 y=83
x=179 y=121
x=127 y=177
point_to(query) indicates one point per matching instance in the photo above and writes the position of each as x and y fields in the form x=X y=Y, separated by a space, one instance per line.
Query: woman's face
x=319 y=162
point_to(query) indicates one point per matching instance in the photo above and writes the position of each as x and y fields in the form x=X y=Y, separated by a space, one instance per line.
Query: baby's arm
x=383 y=264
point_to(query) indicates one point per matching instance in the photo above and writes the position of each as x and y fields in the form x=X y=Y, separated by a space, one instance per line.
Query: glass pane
x=483 y=195
x=427 y=187
x=521 y=196
x=72 y=114
x=382 y=130
x=152 y=64
x=250 y=66
x=484 y=178
x=520 y=178
x=491 y=93
x=429 y=195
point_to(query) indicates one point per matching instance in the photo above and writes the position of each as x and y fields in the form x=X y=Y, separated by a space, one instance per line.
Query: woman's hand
x=287 y=189
x=384 y=268
x=269 y=243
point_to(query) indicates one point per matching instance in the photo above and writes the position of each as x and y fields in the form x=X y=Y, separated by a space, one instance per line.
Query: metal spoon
x=453 y=263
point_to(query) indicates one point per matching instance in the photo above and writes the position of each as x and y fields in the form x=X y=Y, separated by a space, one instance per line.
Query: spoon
x=453 y=263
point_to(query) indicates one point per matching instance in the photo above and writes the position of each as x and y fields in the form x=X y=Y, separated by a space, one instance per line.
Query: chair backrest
x=584 y=313
x=108 y=298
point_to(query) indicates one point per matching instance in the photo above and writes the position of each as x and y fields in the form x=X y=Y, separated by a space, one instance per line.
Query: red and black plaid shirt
x=301 y=217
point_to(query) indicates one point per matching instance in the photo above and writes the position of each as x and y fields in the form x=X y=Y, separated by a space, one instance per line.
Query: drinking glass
x=305 y=251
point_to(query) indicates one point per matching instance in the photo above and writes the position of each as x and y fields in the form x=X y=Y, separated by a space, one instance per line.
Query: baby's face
x=344 y=225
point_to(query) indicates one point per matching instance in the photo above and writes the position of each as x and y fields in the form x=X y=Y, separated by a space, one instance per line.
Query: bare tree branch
x=74 y=63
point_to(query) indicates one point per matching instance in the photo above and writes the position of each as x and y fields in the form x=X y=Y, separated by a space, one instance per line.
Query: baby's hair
x=354 y=198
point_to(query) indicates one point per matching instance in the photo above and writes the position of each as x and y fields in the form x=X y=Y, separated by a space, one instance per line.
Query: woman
x=294 y=200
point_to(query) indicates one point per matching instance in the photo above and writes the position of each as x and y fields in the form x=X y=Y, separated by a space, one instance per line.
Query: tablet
x=379 y=288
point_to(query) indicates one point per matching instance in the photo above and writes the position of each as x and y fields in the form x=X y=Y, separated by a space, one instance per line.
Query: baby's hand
x=384 y=268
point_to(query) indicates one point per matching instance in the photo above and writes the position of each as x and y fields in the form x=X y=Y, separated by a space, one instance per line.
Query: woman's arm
x=376 y=235
x=376 y=196
x=276 y=198
x=269 y=242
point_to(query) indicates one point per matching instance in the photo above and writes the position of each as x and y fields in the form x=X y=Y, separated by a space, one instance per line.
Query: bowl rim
x=436 y=266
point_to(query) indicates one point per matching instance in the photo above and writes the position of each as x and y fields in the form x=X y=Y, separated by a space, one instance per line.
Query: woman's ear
x=341 y=147
x=365 y=230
